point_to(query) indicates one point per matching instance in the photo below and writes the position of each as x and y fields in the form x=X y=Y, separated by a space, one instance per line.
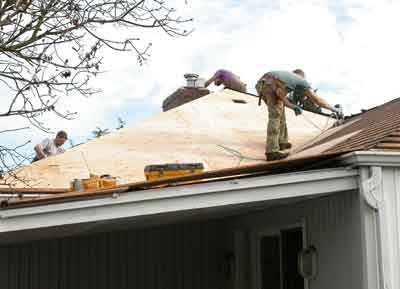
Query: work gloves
x=297 y=110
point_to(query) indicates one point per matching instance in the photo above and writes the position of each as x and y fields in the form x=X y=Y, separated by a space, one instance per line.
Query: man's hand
x=338 y=111
x=297 y=110
x=39 y=152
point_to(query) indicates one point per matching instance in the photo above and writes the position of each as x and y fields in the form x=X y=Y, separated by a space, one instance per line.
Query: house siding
x=390 y=213
x=332 y=225
x=173 y=256
x=192 y=255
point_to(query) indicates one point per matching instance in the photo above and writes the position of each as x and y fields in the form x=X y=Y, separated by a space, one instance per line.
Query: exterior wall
x=389 y=212
x=192 y=255
x=332 y=225
x=173 y=256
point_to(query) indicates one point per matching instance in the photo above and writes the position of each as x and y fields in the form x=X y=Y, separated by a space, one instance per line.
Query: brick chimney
x=193 y=89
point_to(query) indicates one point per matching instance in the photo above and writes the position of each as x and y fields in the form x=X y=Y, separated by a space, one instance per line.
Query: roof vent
x=239 y=101
x=193 y=80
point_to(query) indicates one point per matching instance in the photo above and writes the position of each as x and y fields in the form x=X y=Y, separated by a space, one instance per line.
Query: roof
x=375 y=129
x=227 y=136
x=213 y=130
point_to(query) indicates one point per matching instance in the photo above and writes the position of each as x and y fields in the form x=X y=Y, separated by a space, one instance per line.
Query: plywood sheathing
x=194 y=132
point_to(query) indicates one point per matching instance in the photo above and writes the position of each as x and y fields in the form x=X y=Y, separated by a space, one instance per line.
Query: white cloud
x=349 y=49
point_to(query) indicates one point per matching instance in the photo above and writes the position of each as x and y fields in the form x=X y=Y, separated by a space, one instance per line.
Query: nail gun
x=339 y=113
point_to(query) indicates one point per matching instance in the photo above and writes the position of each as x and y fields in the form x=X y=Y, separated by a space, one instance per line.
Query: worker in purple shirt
x=228 y=79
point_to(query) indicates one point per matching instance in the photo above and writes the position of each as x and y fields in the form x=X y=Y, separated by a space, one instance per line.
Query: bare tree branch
x=13 y=130
x=53 y=48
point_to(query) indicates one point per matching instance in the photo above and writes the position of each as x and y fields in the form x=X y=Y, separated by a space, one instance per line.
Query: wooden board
x=213 y=130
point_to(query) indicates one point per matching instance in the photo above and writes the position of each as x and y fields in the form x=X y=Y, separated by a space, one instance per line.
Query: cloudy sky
x=348 y=48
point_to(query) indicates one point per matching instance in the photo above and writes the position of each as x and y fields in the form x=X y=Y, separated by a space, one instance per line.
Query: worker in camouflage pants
x=273 y=89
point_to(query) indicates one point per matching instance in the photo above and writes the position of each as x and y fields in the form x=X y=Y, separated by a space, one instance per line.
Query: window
x=278 y=260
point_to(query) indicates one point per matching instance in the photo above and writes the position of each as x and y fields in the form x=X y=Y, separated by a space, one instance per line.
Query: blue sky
x=348 y=48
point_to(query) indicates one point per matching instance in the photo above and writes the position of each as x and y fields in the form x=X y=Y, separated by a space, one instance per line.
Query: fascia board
x=173 y=199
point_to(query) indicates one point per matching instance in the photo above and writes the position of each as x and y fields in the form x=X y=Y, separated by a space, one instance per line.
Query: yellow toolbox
x=154 y=172
x=93 y=183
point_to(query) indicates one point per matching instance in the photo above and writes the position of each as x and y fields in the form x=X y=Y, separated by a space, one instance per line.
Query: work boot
x=285 y=146
x=275 y=156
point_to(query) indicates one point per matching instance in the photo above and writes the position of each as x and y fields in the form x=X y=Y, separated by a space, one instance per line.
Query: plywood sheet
x=213 y=130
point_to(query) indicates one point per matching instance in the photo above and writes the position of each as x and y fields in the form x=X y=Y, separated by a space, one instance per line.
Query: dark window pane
x=270 y=262
x=292 y=244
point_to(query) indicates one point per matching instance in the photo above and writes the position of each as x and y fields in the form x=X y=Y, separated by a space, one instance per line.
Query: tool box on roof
x=153 y=172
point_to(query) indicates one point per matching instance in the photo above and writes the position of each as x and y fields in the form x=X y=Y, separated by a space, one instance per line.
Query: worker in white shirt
x=50 y=147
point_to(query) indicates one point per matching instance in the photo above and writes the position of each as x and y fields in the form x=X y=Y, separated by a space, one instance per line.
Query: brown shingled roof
x=391 y=142
x=378 y=128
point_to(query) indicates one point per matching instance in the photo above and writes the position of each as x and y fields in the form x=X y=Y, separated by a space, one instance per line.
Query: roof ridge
x=378 y=106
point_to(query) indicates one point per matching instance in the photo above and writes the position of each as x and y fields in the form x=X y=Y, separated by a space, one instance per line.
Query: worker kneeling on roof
x=49 y=147
x=228 y=79
x=273 y=88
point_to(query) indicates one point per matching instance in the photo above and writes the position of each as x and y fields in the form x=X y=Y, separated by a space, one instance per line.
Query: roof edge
x=371 y=158
x=175 y=199
x=235 y=172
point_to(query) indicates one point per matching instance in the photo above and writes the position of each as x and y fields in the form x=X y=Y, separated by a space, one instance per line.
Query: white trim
x=376 y=215
x=395 y=233
x=371 y=188
x=371 y=158
x=174 y=199
x=371 y=192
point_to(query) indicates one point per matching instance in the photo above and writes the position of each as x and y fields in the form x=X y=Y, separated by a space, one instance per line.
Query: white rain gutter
x=182 y=198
